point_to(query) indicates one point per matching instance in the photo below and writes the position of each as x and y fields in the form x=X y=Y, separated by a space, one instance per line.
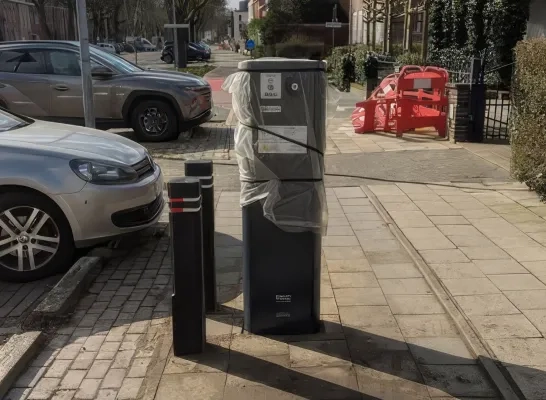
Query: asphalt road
x=152 y=59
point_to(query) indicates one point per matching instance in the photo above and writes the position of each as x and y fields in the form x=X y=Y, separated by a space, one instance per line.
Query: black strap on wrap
x=285 y=138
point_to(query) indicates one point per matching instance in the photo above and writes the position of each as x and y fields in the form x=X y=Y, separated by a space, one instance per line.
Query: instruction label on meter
x=270 y=85
x=271 y=109
x=268 y=143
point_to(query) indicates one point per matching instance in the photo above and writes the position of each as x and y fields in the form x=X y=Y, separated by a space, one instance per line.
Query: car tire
x=55 y=227
x=154 y=109
x=168 y=59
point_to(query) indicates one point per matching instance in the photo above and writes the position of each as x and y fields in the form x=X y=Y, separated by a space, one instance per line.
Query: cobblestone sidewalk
x=17 y=300
x=487 y=246
x=384 y=334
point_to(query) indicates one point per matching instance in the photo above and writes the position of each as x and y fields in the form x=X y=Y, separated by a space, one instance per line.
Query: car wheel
x=168 y=59
x=154 y=121
x=35 y=237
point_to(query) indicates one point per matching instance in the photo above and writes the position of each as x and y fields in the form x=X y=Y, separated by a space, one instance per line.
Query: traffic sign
x=250 y=45
x=333 y=25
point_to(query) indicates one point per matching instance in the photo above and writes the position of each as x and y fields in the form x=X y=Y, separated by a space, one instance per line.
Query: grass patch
x=198 y=70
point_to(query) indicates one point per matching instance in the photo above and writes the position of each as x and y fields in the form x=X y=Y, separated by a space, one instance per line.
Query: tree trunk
x=408 y=27
x=387 y=28
x=96 y=27
x=40 y=9
x=71 y=16
x=116 y=22
x=424 y=49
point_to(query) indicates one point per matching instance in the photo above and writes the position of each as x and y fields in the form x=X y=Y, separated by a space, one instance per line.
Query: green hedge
x=335 y=62
x=528 y=117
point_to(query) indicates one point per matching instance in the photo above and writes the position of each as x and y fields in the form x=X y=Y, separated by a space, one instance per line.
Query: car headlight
x=101 y=173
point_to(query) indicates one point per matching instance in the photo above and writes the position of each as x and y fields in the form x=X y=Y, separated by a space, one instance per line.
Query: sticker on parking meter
x=271 y=109
x=270 y=85
x=283 y=298
x=268 y=143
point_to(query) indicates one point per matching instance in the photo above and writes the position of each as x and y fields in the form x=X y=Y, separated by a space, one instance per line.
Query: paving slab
x=118 y=343
x=496 y=273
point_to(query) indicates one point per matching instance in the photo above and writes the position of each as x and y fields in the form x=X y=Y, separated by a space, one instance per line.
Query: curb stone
x=65 y=293
x=471 y=339
x=15 y=355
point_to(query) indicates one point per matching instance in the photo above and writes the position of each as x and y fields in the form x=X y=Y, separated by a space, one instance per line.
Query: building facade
x=257 y=9
x=537 y=19
x=239 y=23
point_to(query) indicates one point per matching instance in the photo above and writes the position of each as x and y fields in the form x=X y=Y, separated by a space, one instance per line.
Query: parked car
x=147 y=45
x=64 y=187
x=197 y=53
x=167 y=54
x=107 y=47
x=205 y=45
x=128 y=48
x=194 y=53
x=42 y=79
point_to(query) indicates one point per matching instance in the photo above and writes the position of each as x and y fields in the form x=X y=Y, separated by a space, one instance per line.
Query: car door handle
x=61 y=88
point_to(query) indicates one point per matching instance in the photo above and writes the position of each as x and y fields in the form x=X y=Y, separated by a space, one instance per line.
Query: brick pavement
x=384 y=334
x=487 y=246
x=17 y=300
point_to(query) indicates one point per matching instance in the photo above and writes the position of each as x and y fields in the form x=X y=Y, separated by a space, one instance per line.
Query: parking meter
x=280 y=141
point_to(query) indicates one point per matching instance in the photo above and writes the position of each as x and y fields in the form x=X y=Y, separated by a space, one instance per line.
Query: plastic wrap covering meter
x=281 y=106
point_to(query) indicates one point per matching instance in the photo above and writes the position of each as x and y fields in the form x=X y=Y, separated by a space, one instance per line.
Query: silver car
x=42 y=79
x=63 y=187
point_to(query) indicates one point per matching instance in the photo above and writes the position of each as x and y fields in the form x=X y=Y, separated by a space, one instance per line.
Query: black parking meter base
x=203 y=170
x=281 y=277
x=185 y=224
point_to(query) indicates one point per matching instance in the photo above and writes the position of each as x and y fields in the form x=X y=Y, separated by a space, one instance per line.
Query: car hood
x=75 y=142
x=187 y=79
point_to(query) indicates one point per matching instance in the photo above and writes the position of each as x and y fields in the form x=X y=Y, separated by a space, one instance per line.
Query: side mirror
x=102 y=72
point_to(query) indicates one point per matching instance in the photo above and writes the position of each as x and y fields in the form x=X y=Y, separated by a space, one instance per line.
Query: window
x=240 y=17
x=67 y=63
x=64 y=63
x=9 y=121
x=22 y=61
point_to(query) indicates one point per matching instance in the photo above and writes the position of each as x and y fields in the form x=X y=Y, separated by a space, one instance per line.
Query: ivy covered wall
x=460 y=29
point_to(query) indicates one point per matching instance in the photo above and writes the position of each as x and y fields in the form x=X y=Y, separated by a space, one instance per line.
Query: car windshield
x=10 y=121
x=119 y=63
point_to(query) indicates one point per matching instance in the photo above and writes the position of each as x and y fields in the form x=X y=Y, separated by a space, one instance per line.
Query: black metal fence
x=498 y=103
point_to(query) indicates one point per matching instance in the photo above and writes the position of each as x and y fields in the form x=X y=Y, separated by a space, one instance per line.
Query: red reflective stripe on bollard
x=177 y=210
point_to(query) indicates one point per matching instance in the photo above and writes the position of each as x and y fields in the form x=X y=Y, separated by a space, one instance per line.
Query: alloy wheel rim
x=154 y=121
x=29 y=238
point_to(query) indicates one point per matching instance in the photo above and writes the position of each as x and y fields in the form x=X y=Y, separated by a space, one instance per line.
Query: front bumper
x=200 y=119
x=99 y=212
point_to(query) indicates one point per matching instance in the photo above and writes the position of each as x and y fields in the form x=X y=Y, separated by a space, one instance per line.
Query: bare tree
x=210 y=16
x=41 y=10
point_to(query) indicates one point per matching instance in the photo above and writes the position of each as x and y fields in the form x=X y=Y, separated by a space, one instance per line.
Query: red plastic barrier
x=414 y=98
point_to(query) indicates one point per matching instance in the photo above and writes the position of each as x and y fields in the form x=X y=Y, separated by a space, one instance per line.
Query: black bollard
x=202 y=169
x=188 y=308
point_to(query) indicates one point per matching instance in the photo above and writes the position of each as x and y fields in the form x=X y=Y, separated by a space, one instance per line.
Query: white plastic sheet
x=281 y=163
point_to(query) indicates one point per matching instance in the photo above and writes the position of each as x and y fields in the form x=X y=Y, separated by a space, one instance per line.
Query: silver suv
x=42 y=79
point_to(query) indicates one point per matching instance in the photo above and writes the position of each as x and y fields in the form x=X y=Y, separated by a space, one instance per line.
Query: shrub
x=409 y=59
x=301 y=49
x=528 y=117
x=335 y=64
x=255 y=29
x=361 y=54
x=259 y=51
